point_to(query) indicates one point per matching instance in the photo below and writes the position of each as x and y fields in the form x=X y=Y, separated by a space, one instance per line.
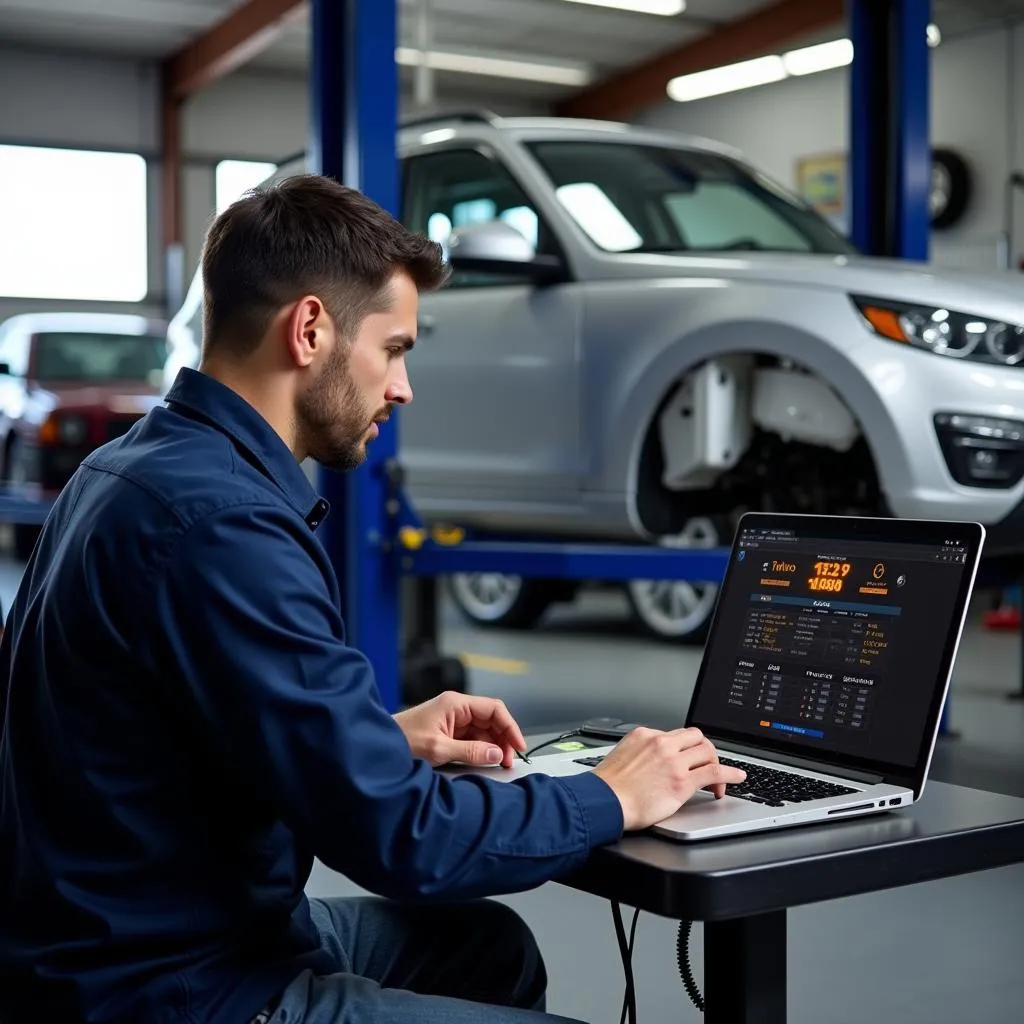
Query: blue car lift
x=372 y=533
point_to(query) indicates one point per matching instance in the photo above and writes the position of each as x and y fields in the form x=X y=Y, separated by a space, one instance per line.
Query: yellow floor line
x=489 y=663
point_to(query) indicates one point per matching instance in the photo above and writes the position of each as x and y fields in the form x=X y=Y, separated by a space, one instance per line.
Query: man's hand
x=654 y=773
x=458 y=727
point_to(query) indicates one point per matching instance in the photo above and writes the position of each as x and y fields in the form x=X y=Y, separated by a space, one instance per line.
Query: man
x=185 y=728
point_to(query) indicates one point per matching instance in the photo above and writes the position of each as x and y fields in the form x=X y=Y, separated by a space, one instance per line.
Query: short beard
x=332 y=419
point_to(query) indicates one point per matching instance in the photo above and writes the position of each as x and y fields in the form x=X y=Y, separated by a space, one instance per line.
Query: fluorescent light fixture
x=666 y=8
x=764 y=70
x=824 y=57
x=496 y=67
x=731 y=78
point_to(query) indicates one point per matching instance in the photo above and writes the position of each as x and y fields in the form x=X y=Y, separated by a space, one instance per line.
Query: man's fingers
x=492 y=715
x=683 y=739
x=701 y=754
x=708 y=775
x=476 y=752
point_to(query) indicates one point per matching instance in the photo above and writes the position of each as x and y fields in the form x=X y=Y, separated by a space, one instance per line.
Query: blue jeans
x=400 y=964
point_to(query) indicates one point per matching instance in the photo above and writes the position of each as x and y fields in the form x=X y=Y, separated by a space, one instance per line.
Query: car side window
x=450 y=189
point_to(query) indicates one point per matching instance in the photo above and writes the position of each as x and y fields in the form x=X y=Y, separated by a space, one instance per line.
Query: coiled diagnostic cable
x=683 y=960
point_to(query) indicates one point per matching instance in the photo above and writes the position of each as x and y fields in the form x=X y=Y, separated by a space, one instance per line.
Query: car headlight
x=944 y=331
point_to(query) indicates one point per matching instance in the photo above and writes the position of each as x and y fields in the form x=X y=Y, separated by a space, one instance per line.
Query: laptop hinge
x=809 y=764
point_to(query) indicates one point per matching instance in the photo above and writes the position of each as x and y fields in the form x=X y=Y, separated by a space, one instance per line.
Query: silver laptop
x=825 y=671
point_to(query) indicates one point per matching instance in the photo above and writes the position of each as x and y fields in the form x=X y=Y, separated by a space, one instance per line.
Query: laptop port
x=895 y=800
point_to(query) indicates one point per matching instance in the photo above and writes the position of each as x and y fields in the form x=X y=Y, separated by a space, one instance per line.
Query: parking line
x=489 y=663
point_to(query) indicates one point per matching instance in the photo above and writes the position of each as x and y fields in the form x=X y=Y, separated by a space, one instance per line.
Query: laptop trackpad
x=704 y=810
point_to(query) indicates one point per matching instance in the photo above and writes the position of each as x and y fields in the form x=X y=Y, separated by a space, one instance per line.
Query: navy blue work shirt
x=184 y=728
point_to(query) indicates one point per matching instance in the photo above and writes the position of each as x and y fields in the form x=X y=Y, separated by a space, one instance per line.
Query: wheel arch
x=649 y=390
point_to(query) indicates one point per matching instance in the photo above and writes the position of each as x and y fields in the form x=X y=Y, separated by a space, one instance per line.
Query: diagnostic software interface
x=832 y=644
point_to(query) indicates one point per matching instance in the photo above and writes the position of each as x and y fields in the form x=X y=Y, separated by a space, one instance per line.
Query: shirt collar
x=226 y=410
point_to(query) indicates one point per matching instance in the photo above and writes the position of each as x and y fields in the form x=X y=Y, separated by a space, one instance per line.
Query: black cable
x=548 y=743
x=625 y=951
x=683 y=959
x=632 y=936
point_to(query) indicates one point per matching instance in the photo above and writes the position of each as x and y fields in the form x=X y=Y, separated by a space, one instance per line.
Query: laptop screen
x=833 y=637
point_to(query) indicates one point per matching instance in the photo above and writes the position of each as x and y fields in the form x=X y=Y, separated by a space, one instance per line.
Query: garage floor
x=936 y=952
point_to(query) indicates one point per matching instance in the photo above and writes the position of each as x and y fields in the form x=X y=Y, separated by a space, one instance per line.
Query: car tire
x=25 y=535
x=950 y=189
x=499 y=600
x=679 y=611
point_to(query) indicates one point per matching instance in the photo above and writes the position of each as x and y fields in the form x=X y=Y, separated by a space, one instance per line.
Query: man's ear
x=306 y=330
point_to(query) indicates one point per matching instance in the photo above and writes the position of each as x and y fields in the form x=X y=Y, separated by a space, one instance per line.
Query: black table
x=741 y=888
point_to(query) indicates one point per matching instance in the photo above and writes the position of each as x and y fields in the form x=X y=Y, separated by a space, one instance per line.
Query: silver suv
x=645 y=336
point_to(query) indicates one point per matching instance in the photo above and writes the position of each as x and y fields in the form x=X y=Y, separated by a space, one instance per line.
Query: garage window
x=234 y=177
x=73 y=225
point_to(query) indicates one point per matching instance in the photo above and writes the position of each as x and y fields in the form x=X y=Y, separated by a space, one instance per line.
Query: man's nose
x=399 y=390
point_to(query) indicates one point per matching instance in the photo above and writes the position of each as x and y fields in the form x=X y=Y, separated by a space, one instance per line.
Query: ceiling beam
x=759 y=33
x=238 y=37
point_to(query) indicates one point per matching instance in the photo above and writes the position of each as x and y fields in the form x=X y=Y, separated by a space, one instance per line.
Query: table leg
x=745 y=970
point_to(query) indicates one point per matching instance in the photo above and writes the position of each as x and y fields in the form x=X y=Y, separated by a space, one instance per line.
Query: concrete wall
x=977 y=109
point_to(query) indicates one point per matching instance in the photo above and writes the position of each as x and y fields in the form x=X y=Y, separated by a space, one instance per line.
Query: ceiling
x=593 y=39
x=575 y=36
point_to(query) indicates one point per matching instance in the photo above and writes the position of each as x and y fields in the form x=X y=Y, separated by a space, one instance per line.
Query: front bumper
x=947 y=437
x=982 y=451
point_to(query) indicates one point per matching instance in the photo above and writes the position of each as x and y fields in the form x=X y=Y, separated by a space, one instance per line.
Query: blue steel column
x=890 y=134
x=354 y=120
x=890 y=145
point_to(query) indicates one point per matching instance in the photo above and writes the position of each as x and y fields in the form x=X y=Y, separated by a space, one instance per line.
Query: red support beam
x=170 y=127
x=238 y=37
x=762 y=32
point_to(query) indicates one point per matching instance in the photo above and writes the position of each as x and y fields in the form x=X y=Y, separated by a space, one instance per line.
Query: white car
x=645 y=336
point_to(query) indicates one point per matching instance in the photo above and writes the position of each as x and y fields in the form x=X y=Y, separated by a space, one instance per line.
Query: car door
x=495 y=373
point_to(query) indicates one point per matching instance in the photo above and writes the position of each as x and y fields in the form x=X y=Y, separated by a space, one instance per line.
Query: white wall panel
x=56 y=99
x=1016 y=101
x=248 y=116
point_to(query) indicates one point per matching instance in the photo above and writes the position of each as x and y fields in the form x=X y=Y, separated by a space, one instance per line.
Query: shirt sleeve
x=250 y=629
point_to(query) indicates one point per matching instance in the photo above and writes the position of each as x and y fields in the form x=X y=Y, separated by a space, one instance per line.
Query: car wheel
x=678 y=610
x=25 y=534
x=950 y=190
x=497 y=599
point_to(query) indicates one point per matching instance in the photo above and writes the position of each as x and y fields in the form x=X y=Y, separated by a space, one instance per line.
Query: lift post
x=890 y=135
x=890 y=144
x=354 y=121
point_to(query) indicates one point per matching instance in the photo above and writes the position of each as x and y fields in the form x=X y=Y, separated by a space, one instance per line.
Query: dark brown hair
x=305 y=235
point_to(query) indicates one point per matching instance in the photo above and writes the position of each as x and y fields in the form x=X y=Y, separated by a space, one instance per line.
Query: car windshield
x=639 y=198
x=95 y=358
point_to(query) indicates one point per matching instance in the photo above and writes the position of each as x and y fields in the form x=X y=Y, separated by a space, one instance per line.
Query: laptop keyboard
x=775 y=788
x=767 y=786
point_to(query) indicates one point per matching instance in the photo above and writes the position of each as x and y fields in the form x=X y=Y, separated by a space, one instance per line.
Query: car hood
x=997 y=294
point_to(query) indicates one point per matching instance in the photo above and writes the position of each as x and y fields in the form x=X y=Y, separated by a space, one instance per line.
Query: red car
x=70 y=382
